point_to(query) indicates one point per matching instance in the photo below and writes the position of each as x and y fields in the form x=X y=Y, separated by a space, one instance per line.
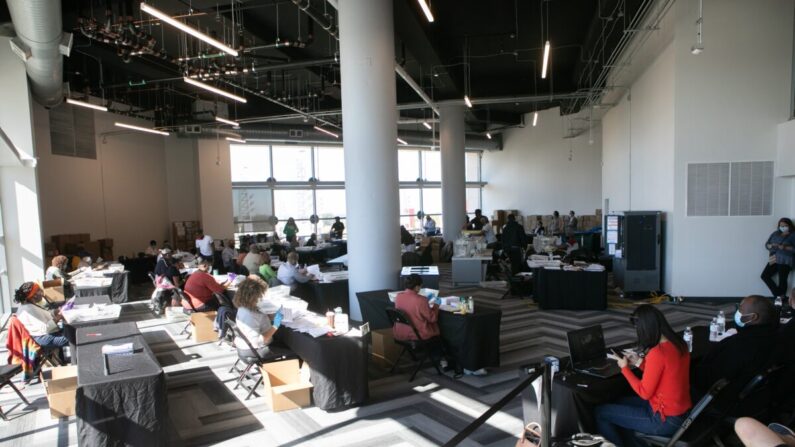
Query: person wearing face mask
x=41 y=324
x=289 y=273
x=781 y=250
x=739 y=357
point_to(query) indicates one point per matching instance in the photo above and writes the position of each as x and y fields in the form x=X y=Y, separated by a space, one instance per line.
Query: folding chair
x=415 y=348
x=276 y=354
x=7 y=372
x=183 y=298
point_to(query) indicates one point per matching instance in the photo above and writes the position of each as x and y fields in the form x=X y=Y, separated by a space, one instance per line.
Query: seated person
x=429 y=226
x=739 y=357
x=312 y=241
x=337 y=228
x=152 y=249
x=265 y=270
x=57 y=271
x=488 y=233
x=289 y=273
x=41 y=324
x=406 y=239
x=229 y=255
x=538 y=230
x=241 y=255
x=200 y=287
x=253 y=260
x=424 y=317
x=662 y=398
x=253 y=324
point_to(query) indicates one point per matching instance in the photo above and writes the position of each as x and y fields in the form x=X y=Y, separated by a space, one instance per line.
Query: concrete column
x=369 y=116
x=452 y=135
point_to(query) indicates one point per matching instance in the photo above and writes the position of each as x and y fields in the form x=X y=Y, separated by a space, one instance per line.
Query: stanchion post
x=546 y=405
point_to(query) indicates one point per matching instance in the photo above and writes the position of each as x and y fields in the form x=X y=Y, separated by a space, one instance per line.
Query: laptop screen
x=586 y=344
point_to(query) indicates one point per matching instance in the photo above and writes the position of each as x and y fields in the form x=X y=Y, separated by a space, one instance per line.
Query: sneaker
x=781 y=429
x=479 y=372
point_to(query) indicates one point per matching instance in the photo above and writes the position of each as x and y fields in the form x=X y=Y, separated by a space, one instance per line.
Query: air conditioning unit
x=192 y=129
x=296 y=133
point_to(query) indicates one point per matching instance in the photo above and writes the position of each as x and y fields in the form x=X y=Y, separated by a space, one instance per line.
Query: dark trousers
x=770 y=271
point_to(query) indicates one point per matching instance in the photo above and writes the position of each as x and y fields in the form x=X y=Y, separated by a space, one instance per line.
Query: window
x=329 y=203
x=329 y=164
x=292 y=163
x=431 y=166
x=252 y=204
x=432 y=200
x=472 y=163
x=408 y=165
x=249 y=163
x=409 y=202
x=324 y=226
x=292 y=203
x=473 y=199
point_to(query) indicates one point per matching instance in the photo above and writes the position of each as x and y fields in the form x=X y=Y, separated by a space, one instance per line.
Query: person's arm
x=653 y=368
x=213 y=285
x=41 y=321
x=426 y=313
x=769 y=244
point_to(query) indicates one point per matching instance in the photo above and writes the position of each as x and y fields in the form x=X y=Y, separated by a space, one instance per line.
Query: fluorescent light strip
x=427 y=10
x=188 y=29
x=218 y=91
x=141 y=129
x=235 y=140
x=427 y=125
x=86 y=104
x=320 y=129
x=545 y=62
x=403 y=142
x=467 y=101
x=535 y=118
x=226 y=121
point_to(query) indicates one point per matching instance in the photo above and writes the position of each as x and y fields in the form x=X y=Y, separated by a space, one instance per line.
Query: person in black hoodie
x=739 y=357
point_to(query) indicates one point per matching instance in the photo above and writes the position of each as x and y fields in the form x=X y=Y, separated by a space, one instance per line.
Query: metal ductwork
x=307 y=134
x=41 y=43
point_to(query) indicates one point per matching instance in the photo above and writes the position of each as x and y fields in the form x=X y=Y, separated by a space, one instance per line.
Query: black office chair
x=755 y=397
x=704 y=429
x=518 y=285
x=276 y=354
x=7 y=372
x=415 y=348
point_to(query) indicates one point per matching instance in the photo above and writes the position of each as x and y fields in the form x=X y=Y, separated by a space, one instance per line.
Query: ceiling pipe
x=41 y=44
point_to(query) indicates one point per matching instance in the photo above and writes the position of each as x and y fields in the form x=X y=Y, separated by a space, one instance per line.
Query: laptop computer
x=589 y=354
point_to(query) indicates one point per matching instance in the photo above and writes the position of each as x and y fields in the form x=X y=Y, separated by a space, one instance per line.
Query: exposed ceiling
x=288 y=56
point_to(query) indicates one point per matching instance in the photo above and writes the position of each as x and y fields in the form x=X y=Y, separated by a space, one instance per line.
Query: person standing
x=229 y=255
x=337 y=228
x=513 y=235
x=555 y=226
x=488 y=232
x=571 y=227
x=477 y=222
x=290 y=231
x=781 y=250
x=204 y=245
x=429 y=226
x=152 y=249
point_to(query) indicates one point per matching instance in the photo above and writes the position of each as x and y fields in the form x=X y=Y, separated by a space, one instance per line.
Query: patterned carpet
x=204 y=409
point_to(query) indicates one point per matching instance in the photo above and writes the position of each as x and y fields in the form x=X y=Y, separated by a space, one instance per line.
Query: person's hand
x=277 y=318
x=622 y=362
x=632 y=357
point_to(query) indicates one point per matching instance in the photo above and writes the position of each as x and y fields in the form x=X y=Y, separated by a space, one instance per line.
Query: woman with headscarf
x=41 y=323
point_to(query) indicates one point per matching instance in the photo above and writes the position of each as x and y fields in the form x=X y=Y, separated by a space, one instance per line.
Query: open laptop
x=589 y=354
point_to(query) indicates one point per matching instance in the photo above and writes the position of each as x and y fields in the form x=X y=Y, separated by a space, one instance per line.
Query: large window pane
x=330 y=203
x=432 y=166
x=329 y=164
x=409 y=201
x=324 y=228
x=432 y=200
x=251 y=204
x=249 y=163
x=305 y=228
x=473 y=199
x=292 y=203
x=292 y=163
x=411 y=223
x=472 y=162
x=408 y=166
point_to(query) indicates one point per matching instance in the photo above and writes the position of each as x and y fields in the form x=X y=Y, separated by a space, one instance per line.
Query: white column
x=452 y=135
x=369 y=116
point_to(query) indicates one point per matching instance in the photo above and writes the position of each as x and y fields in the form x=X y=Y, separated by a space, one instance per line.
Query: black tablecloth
x=323 y=297
x=337 y=365
x=70 y=329
x=575 y=395
x=117 y=289
x=126 y=407
x=139 y=267
x=472 y=339
x=570 y=290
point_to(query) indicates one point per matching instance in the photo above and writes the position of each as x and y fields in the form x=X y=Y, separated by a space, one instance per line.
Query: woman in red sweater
x=663 y=393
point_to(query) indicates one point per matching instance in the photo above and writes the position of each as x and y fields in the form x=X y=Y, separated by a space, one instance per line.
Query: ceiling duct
x=307 y=134
x=41 y=44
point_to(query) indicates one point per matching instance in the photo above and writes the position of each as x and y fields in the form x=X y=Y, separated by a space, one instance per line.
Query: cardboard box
x=385 y=350
x=94 y=248
x=202 y=323
x=284 y=388
x=60 y=384
x=53 y=291
x=107 y=242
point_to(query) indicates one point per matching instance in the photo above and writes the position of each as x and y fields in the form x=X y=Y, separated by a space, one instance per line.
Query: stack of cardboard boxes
x=70 y=244
x=436 y=243
x=183 y=234
x=584 y=222
x=500 y=218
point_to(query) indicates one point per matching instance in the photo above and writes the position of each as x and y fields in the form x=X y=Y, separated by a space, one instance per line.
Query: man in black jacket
x=739 y=357
x=513 y=234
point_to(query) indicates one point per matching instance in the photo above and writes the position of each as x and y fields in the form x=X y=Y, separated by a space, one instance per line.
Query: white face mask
x=783 y=229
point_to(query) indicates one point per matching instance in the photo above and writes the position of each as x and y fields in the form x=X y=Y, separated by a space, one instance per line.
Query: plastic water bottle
x=721 y=323
x=713 y=330
x=688 y=338
x=471 y=305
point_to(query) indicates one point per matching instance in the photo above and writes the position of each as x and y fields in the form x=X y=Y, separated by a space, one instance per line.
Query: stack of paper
x=86 y=312
x=334 y=276
x=595 y=268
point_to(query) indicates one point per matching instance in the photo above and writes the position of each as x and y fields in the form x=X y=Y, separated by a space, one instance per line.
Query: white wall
x=729 y=101
x=121 y=195
x=215 y=188
x=638 y=147
x=181 y=179
x=533 y=173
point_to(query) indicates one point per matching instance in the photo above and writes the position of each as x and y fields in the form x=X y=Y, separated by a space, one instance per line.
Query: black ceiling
x=499 y=41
